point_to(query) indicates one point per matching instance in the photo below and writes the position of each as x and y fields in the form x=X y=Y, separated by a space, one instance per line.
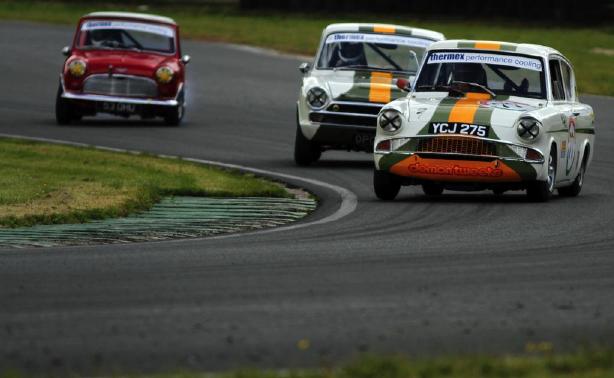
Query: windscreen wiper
x=442 y=88
x=476 y=85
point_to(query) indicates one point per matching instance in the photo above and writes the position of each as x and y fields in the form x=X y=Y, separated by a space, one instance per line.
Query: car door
x=564 y=132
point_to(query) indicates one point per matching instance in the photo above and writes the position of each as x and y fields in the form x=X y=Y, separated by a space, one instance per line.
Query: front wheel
x=386 y=185
x=174 y=115
x=540 y=191
x=305 y=151
x=64 y=113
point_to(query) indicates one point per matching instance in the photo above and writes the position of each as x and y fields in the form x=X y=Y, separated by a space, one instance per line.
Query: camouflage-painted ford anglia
x=486 y=115
x=349 y=82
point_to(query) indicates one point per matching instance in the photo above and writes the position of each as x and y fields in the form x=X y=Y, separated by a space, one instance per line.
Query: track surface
x=464 y=273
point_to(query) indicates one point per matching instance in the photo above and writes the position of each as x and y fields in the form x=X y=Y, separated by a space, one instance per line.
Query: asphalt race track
x=461 y=274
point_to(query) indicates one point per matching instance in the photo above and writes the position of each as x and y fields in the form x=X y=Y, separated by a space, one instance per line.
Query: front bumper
x=119 y=100
x=459 y=159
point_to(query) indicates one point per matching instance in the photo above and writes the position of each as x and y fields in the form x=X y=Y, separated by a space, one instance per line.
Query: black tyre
x=541 y=191
x=574 y=189
x=386 y=185
x=64 y=113
x=174 y=115
x=305 y=151
x=432 y=189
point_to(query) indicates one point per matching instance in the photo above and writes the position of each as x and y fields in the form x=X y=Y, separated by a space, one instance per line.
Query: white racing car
x=486 y=115
x=350 y=81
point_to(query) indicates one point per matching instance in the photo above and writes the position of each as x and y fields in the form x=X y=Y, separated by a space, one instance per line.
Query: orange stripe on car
x=464 y=110
x=381 y=87
x=488 y=45
x=384 y=29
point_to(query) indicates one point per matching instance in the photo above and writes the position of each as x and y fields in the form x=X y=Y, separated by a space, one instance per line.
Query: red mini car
x=124 y=64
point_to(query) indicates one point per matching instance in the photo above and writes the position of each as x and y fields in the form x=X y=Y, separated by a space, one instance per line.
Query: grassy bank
x=590 y=49
x=44 y=183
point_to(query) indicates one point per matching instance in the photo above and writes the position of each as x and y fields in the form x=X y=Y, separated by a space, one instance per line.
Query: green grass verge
x=591 y=50
x=44 y=183
x=583 y=364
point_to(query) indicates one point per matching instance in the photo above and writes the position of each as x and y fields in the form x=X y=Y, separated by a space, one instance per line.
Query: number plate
x=458 y=128
x=117 y=108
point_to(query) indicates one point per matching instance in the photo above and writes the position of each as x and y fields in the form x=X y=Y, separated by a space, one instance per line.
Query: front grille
x=457 y=145
x=348 y=114
x=117 y=85
x=354 y=108
x=343 y=119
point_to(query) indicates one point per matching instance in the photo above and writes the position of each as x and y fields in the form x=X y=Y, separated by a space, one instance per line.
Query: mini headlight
x=164 y=75
x=390 y=120
x=317 y=98
x=77 y=67
x=528 y=128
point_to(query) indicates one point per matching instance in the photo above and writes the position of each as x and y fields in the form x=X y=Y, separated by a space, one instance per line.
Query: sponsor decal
x=125 y=25
x=571 y=146
x=378 y=38
x=507 y=105
x=498 y=59
x=454 y=170
x=380 y=89
x=458 y=128
x=563 y=149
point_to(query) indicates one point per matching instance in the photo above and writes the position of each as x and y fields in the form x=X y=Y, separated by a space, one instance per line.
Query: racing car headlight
x=390 y=120
x=164 y=75
x=77 y=67
x=528 y=128
x=317 y=98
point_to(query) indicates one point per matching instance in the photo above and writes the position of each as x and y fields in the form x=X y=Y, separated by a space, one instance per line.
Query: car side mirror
x=404 y=84
x=304 y=67
x=66 y=51
x=186 y=59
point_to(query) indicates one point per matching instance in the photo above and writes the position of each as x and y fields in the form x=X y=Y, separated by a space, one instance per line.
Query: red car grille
x=457 y=145
x=120 y=85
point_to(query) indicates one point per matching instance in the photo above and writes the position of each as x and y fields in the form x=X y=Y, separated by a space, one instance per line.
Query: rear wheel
x=432 y=189
x=305 y=151
x=540 y=191
x=64 y=113
x=574 y=189
x=386 y=185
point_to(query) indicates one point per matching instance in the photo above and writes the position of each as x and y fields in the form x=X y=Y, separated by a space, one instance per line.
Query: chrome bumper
x=124 y=100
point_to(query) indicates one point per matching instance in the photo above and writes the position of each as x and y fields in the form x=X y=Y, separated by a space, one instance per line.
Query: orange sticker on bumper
x=455 y=170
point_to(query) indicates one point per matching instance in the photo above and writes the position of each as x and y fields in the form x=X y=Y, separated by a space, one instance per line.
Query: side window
x=567 y=81
x=556 y=80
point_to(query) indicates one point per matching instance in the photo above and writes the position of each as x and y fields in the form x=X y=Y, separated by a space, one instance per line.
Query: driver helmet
x=351 y=53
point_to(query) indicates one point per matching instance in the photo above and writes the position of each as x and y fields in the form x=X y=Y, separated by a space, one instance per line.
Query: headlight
x=528 y=128
x=164 y=75
x=77 y=67
x=317 y=98
x=390 y=120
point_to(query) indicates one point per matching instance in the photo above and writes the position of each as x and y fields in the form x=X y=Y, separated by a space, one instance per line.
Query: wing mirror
x=66 y=51
x=186 y=59
x=406 y=84
x=304 y=67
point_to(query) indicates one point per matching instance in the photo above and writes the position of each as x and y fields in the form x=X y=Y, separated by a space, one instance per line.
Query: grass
x=45 y=183
x=591 y=50
x=582 y=364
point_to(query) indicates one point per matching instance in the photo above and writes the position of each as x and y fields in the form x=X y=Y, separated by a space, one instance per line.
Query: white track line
x=349 y=201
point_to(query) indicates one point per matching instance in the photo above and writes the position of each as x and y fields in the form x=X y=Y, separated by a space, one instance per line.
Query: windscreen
x=503 y=74
x=372 y=51
x=140 y=36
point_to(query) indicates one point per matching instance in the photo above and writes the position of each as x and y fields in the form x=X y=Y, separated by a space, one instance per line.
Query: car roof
x=383 y=28
x=522 y=48
x=132 y=15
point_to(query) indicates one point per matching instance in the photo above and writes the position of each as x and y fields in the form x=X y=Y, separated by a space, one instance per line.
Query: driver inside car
x=350 y=54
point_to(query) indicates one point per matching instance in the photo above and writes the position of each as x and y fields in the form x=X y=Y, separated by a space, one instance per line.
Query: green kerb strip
x=173 y=218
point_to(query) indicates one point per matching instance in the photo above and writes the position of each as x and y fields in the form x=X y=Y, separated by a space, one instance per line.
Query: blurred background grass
x=590 y=48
